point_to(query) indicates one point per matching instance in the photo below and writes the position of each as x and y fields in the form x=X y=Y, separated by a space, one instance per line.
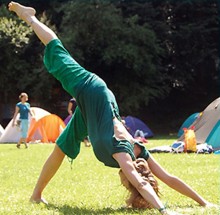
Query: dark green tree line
x=125 y=54
x=21 y=63
x=148 y=52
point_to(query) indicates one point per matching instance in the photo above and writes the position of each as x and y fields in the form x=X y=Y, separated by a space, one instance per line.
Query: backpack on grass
x=190 y=140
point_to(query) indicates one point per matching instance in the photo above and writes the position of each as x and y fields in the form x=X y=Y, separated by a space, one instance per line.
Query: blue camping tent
x=207 y=126
x=214 y=136
x=135 y=124
x=189 y=121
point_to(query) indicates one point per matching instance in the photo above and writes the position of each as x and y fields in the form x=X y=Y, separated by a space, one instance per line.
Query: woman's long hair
x=135 y=199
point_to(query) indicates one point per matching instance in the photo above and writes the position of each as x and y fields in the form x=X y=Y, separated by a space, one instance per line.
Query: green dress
x=94 y=114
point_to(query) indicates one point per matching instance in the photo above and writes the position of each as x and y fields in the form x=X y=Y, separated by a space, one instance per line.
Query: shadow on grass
x=70 y=210
x=73 y=210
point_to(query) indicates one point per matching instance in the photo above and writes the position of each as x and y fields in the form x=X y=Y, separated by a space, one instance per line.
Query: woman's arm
x=144 y=188
x=174 y=182
x=15 y=115
x=69 y=109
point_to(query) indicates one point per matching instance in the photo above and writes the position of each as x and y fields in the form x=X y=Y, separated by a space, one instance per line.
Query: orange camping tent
x=47 y=129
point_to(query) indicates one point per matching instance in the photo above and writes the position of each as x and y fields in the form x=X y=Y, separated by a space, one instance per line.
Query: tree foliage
x=145 y=50
x=124 y=53
x=21 y=62
x=195 y=36
x=13 y=38
x=188 y=31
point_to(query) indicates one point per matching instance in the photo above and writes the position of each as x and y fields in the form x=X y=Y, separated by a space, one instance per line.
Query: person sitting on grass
x=96 y=115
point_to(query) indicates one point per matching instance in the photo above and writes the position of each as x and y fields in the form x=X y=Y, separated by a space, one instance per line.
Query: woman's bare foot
x=38 y=201
x=25 y=13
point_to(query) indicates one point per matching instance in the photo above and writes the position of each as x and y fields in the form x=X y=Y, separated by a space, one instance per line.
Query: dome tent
x=1 y=130
x=45 y=127
x=187 y=123
x=135 y=124
x=207 y=125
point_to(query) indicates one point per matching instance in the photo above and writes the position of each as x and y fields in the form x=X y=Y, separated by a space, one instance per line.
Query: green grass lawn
x=88 y=187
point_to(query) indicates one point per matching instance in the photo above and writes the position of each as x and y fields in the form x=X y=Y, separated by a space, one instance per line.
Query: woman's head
x=23 y=97
x=135 y=199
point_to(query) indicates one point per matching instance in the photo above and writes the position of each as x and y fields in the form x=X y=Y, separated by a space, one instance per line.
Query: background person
x=71 y=106
x=70 y=109
x=22 y=107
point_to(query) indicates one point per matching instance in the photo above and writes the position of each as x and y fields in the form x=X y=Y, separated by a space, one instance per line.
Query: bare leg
x=19 y=144
x=22 y=140
x=49 y=169
x=25 y=142
x=27 y=14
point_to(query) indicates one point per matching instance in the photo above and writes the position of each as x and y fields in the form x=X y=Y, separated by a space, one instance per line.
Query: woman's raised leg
x=27 y=14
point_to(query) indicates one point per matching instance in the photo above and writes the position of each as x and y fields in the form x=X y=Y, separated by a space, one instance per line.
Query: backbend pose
x=96 y=115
